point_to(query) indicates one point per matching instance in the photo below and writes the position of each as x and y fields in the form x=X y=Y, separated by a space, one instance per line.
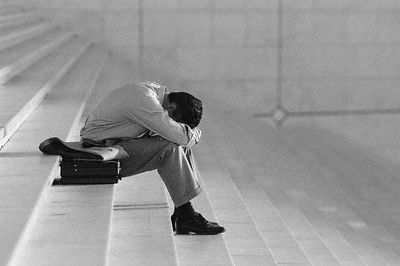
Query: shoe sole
x=174 y=219
x=183 y=231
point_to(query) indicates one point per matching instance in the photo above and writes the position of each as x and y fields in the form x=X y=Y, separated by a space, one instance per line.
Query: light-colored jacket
x=132 y=111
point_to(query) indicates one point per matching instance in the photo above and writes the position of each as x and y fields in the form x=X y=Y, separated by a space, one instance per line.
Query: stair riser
x=24 y=63
x=9 y=129
x=13 y=17
x=20 y=37
x=10 y=10
x=26 y=21
x=18 y=250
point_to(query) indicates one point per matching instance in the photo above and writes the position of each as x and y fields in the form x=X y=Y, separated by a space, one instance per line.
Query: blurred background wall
x=240 y=55
x=225 y=47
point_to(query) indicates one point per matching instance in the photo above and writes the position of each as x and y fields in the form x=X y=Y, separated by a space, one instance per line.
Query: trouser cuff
x=188 y=197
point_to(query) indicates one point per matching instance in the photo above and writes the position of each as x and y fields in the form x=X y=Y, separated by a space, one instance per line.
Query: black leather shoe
x=173 y=220
x=196 y=224
x=174 y=216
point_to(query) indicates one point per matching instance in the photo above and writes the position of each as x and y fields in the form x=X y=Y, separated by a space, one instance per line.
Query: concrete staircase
x=52 y=78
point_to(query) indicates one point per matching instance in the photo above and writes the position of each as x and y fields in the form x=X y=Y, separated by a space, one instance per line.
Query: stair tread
x=7 y=57
x=272 y=227
x=135 y=223
x=349 y=197
x=250 y=181
x=93 y=248
x=20 y=20
x=213 y=249
x=28 y=82
x=11 y=9
x=19 y=93
x=305 y=234
x=9 y=41
x=140 y=229
x=5 y=18
x=58 y=110
x=70 y=234
x=341 y=241
x=230 y=210
x=287 y=171
x=16 y=28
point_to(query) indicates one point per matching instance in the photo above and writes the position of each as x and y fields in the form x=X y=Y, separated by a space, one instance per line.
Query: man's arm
x=152 y=116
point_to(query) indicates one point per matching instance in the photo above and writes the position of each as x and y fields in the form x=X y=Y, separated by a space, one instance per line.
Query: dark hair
x=188 y=110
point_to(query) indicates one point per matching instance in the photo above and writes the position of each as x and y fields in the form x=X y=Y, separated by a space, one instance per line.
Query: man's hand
x=197 y=134
x=195 y=138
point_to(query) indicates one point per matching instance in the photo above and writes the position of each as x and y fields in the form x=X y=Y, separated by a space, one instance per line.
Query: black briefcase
x=88 y=171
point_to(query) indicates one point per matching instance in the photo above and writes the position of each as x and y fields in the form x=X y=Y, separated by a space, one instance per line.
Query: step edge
x=7 y=129
x=19 y=37
x=161 y=203
x=24 y=236
x=15 y=33
x=329 y=223
x=207 y=202
x=29 y=59
x=21 y=21
x=239 y=195
x=17 y=16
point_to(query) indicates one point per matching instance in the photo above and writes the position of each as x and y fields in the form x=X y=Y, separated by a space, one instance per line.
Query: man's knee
x=171 y=147
x=173 y=150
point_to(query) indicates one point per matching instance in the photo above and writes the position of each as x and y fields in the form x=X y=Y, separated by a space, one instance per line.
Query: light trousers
x=175 y=164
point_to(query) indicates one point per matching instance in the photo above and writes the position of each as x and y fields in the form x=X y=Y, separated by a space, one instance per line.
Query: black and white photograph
x=199 y=132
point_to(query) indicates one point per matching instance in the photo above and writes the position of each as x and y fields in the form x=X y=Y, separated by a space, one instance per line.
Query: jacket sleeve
x=150 y=114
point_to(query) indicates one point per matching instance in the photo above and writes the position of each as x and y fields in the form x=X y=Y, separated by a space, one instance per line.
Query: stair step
x=132 y=227
x=348 y=254
x=201 y=250
x=297 y=169
x=273 y=229
x=15 y=30
x=17 y=37
x=231 y=212
x=21 y=57
x=4 y=27
x=304 y=233
x=141 y=231
x=333 y=239
x=13 y=17
x=347 y=199
x=22 y=95
x=204 y=250
x=334 y=206
x=11 y=9
x=63 y=230
x=92 y=249
x=283 y=169
x=20 y=20
x=55 y=114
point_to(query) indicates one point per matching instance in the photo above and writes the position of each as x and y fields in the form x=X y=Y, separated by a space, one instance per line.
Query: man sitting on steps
x=157 y=129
